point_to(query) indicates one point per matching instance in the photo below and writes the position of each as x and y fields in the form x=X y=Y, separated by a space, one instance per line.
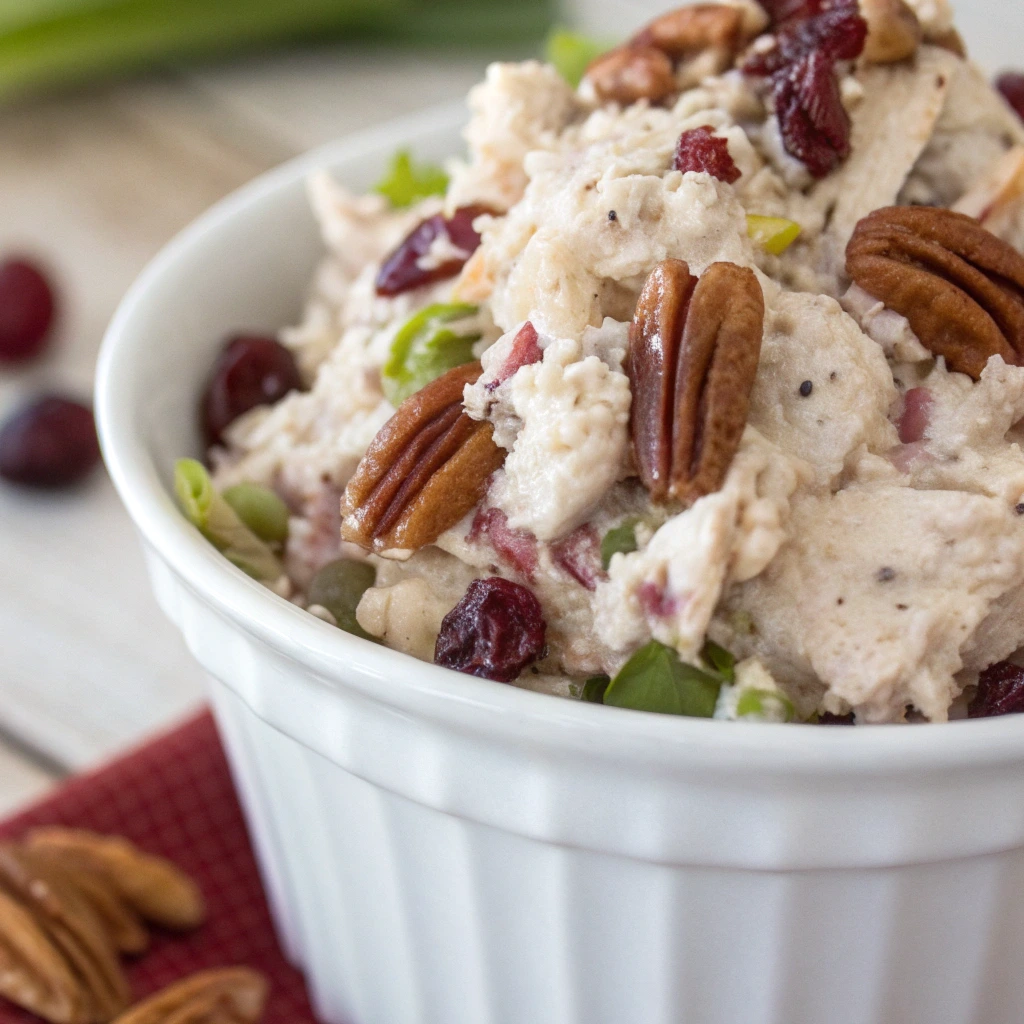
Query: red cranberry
x=700 y=149
x=250 y=371
x=914 y=420
x=26 y=311
x=401 y=271
x=814 y=123
x=525 y=351
x=836 y=33
x=1011 y=85
x=49 y=443
x=579 y=555
x=517 y=547
x=1000 y=691
x=495 y=632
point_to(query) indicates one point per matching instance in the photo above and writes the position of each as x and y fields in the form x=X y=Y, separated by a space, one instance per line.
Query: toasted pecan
x=157 y=889
x=960 y=287
x=227 y=995
x=73 y=927
x=694 y=350
x=425 y=469
x=689 y=30
x=33 y=972
x=894 y=31
x=632 y=73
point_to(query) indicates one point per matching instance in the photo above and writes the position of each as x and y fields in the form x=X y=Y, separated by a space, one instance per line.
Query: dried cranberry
x=26 y=311
x=814 y=123
x=1000 y=691
x=827 y=718
x=1011 y=85
x=49 y=443
x=494 y=632
x=836 y=33
x=401 y=271
x=250 y=371
x=579 y=555
x=525 y=351
x=700 y=149
x=914 y=420
x=517 y=547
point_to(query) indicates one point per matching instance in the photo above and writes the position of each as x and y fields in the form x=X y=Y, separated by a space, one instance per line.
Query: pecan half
x=227 y=995
x=694 y=347
x=690 y=30
x=121 y=923
x=423 y=472
x=33 y=973
x=960 y=287
x=72 y=926
x=894 y=32
x=157 y=889
x=630 y=74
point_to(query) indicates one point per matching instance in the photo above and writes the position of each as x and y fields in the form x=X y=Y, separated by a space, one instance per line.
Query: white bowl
x=444 y=850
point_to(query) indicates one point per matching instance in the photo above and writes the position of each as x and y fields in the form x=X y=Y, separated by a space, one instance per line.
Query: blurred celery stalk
x=54 y=42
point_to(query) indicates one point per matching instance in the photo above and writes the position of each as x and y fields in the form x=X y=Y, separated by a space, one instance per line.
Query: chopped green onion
x=339 y=587
x=571 y=53
x=774 y=234
x=620 y=539
x=220 y=524
x=261 y=510
x=594 y=689
x=51 y=42
x=765 y=705
x=655 y=679
x=424 y=349
x=406 y=183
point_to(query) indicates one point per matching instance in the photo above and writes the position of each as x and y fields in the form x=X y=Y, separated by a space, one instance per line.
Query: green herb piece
x=424 y=348
x=767 y=705
x=594 y=689
x=339 y=587
x=571 y=53
x=619 y=540
x=261 y=510
x=407 y=183
x=220 y=524
x=775 y=234
x=719 y=660
x=655 y=679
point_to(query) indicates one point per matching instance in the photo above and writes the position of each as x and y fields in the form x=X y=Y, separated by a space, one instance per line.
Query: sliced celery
x=425 y=348
x=775 y=234
x=218 y=522
x=571 y=53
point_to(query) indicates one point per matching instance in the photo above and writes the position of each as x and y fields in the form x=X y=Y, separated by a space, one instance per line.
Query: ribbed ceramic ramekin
x=444 y=850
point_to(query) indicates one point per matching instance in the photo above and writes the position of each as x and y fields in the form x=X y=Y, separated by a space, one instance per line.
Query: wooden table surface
x=94 y=184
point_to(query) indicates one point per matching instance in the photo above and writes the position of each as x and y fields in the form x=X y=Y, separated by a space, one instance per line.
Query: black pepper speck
x=612 y=215
x=885 y=574
x=806 y=388
x=1019 y=509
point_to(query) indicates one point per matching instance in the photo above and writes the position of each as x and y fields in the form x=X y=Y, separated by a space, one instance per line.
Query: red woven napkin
x=175 y=797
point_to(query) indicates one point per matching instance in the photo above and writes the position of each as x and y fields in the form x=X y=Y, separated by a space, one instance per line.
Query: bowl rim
x=421 y=688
